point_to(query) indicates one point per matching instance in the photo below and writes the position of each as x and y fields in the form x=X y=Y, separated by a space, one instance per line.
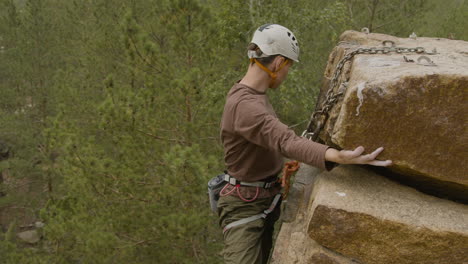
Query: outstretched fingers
x=356 y=157
x=381 y=163
x=374 y=154
x=371 y=158
x=353 y=154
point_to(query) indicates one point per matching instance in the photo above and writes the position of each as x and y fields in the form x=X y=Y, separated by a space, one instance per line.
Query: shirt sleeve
x=255 y=124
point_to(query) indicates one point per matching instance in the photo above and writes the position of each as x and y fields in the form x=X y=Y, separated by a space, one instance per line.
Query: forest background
x=110 y=110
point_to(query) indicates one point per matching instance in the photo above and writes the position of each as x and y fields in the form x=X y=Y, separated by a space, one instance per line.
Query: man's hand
x=356 y=157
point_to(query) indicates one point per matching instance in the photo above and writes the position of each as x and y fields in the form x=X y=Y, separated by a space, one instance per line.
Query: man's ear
x=277 y=62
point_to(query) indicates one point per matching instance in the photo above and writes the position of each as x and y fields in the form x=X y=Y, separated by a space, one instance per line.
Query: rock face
x=416 y=112
x=356 y=215
x=367 y=217
x=293 y=244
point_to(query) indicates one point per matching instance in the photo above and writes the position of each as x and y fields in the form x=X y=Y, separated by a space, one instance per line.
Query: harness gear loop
x=224 y=192
x=289 y=169
x=272 y=75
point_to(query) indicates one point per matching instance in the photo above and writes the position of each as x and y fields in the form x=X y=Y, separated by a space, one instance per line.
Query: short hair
x=264 y=60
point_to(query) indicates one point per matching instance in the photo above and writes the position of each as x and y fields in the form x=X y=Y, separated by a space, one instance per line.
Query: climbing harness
x=263 y=215
x=289 y=169
x=262 y=184
x=237 y=188
x=218 y=186
x=235 y=185
x=320 y=116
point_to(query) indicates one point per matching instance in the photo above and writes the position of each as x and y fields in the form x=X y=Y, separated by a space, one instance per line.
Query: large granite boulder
x=353 y=215
x=415 y=111
x=293 y=244
x=366 y=217
x=414 y=107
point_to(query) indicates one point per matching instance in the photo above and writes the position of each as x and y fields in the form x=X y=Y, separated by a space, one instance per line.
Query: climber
x=254 y=142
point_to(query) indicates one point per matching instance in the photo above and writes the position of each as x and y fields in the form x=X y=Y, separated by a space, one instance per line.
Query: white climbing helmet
x=274 y=39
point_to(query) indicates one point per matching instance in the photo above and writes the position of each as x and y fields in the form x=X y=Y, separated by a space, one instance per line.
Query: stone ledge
x=366 y=217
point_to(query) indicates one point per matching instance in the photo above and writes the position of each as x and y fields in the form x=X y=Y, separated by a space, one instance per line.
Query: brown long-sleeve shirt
x=255 y=140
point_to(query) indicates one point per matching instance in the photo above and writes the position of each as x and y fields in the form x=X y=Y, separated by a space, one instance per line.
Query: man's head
x=274 y=39
x=273 y=48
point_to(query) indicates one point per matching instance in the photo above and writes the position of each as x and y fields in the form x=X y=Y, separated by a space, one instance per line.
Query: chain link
x=320 y=116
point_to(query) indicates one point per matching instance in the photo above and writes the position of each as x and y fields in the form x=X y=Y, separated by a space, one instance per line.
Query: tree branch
x=161 y=138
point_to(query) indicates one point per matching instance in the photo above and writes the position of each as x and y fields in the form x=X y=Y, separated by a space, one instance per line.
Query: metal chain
x=320 y=116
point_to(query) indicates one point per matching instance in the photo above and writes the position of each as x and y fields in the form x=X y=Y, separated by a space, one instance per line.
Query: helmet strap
x=272 y=75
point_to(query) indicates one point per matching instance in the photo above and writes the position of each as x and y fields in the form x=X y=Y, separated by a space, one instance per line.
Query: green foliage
x=112 y=109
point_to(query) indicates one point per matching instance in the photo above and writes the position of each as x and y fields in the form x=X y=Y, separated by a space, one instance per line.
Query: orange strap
x=289 y=169
x=273 y=75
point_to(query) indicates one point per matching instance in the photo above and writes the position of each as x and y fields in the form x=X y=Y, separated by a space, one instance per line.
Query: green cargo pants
x=249 y=243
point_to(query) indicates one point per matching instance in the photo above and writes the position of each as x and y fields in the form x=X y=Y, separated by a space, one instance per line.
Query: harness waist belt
x=233 y=181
